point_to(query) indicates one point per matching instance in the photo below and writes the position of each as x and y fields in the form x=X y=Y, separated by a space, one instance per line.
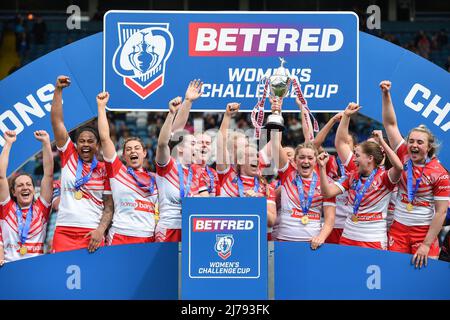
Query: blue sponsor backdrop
x=139 y=272
x=342 y=272
x=82 y=61
x=248 y=255
x=184 y=63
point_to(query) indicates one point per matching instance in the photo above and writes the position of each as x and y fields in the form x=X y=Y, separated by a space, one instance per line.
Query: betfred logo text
x=231 y=39
x=210 y=225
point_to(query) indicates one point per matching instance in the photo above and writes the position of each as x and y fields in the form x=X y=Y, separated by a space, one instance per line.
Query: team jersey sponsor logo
x=224 y=244
x=140 y=59
x=138 y=205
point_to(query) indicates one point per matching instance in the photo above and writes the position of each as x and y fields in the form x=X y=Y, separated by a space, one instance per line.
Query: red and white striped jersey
x=435 y=185
x=134 y=207
x=229 y=186
x=290 y=227
x=168 y=184
x=36 y=235
x=86 y=212
x=371 y=224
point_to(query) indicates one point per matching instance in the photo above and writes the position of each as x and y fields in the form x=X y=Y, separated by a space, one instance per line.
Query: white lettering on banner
x=218 y=224
x=284 y=39
x=74 y=280
x=419 y=91
x=10 y=121
x=374 y=280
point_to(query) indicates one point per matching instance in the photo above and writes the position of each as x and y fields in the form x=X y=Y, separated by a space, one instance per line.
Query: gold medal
x=355 y=218
x=305 y=219
x=78 y=195
x=409 y=207
x=23 y=250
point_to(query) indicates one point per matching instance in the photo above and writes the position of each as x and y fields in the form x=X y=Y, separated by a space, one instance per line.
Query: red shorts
x=364 y=244
x=334 y=236
x=407 y=239
x=167 y=235
x=118 y=239
x=71 y=238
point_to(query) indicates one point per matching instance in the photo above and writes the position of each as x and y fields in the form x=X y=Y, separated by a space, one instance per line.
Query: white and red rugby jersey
x=229 y=186
x=168 y=183
x=290 y=227
x=9 y=229
x=435 y=185
x=134 y=206
x=372 y=212
x=86 y=212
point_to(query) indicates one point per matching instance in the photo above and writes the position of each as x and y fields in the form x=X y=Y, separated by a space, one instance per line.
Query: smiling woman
x=23 y=220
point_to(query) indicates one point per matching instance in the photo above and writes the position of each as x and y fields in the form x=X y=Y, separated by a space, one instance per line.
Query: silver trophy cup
x=279 y=84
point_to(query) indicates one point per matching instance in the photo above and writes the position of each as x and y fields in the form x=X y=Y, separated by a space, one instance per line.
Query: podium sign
x=224 y=248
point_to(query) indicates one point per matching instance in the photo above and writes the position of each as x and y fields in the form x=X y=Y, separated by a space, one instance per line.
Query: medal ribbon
x=409 y=182
x=305 y=205
x=360 y=192
x=149 y=187
x=211 y=179
x=79 y=180
x=241 y=186
x=342 y=169
x=308 y=114
x=23 y=229
x=184 y=189
x=257 y=116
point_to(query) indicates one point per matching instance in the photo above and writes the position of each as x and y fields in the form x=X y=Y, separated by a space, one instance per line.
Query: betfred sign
x=150 y=57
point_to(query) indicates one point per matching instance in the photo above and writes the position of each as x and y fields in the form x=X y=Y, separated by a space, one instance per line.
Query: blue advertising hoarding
x=340 y=272
x=224 y=248
x=138 y=272
x=151 y=56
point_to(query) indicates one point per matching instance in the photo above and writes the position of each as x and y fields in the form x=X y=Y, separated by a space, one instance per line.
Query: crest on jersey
x=224 y=244
x=140 y=59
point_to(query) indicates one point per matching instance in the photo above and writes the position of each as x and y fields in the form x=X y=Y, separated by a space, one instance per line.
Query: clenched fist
x=62 y=82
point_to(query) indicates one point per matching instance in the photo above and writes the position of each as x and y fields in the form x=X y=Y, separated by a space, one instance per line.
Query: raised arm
x=193 y=92
x=342 y=147
x=103 y=126
x=222 y=137
x=388 y=114
x=56 y=113
x=328 y=189
x=162 y=149
x=47 y=159
x=397 y=167
x=323 y=133
x=276 y=139
x=306 y=122
x=10 y=137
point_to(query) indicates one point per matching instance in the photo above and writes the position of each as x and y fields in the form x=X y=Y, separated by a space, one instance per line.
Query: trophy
x=279 y=84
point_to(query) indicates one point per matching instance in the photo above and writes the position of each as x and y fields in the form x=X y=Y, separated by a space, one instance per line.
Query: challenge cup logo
x=141 y=57
x=224 y=244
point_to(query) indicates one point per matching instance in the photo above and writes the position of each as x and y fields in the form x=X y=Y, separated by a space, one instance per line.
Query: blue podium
x=224 y=248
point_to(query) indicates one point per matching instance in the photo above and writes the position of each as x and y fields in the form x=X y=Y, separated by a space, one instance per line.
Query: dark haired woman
x=86 y=205
x=22 y=219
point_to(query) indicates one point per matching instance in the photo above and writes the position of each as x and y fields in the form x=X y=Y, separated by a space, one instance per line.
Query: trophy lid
x=281 y=71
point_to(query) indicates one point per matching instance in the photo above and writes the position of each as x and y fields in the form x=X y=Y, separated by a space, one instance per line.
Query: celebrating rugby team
x=389 y=195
